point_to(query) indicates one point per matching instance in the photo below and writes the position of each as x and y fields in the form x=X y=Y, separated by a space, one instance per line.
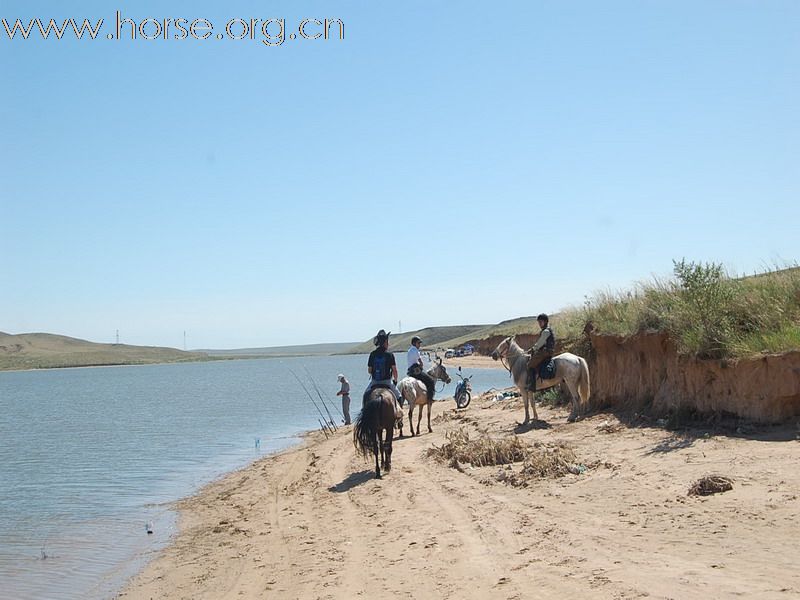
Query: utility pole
x=118 y=337
x=184 y=341
x=399 y=327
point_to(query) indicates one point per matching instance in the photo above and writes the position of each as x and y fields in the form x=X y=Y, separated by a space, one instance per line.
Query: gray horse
x=570 y=368
x=415 y=393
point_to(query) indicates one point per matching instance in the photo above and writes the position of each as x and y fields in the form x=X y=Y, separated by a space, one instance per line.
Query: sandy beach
x=474 y=361
x=312 y=522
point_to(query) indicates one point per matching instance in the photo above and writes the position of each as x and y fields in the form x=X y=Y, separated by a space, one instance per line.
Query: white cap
x=340 y=377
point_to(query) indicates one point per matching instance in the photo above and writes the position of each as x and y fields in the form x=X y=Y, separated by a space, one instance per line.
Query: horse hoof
x=378 y=476
x=430 y=430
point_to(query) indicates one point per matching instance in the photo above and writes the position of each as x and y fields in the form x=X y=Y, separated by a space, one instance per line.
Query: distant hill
x=520 y=325
x=302 y=350
x=46 y=350
x=432 y=337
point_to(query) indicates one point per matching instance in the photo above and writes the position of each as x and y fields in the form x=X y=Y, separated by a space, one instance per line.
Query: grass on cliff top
x=708 y=313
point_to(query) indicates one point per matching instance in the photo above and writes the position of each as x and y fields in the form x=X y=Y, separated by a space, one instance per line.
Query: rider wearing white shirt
x=414 y=357
x=415 y=367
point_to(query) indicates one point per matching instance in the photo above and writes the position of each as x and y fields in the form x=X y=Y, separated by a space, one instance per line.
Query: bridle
x=502 y=358
x=436 y=377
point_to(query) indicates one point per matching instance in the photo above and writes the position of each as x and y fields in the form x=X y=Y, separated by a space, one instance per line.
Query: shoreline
x=181 y=505
x=150 y=364
x=104 y=366
x=312 y=522
x=474 y=361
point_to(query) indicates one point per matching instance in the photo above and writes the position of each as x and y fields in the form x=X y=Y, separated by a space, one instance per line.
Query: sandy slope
x=313 y=523
x=473 y=361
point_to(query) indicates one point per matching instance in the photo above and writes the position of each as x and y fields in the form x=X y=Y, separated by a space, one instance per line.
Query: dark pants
x=533 y=368
x=346 y=408
x=430 y=383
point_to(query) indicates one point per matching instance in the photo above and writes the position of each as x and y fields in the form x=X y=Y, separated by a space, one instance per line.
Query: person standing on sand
x=382 y=367
x=345 y=394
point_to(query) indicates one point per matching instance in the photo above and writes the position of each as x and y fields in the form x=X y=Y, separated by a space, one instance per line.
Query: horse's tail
x=584 y=383
x=365 y=431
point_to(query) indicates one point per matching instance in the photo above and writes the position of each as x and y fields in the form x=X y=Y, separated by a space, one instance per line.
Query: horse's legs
x=378 y=445
x=384 y=441
x=399 y=423
x=525 y=394
x=387 y=450
x=419 y=419
x=532 y=396
x=411 y=416
x=430 y=403
x=573 y=391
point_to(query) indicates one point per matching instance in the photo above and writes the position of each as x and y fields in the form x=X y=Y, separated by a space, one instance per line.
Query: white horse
x=570 y=368
x=416 y=394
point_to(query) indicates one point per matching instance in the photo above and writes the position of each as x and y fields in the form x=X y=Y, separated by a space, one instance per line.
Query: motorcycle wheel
x=463 y=399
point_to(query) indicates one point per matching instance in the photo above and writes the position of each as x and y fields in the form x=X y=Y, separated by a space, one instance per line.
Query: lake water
x=89 y=457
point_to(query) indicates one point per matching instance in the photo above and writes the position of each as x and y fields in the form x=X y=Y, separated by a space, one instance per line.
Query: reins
x=436 y=380
x=503 y=359
x=503 y=362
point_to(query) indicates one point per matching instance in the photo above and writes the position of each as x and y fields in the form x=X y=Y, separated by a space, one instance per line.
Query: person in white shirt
x=416 y=367
x=414 y=357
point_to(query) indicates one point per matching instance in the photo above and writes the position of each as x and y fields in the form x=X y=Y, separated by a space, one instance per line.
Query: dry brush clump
x=550 y=461
x=538 y=460
x=454 y=415
x=480 y=452
x=711 y=484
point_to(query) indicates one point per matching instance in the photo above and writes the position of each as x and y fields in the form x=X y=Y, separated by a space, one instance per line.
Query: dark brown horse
x=376 y=419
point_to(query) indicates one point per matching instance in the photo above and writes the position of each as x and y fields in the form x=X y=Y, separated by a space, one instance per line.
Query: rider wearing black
x=542 y=350
x=382 y=367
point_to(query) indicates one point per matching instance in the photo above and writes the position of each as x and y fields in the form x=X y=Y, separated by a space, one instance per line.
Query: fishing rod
x=325 y=404
x=310 y=397
x=330 y=417
x=325 y=431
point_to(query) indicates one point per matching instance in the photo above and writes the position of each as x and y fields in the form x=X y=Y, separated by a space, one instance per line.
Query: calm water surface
x=89 y=456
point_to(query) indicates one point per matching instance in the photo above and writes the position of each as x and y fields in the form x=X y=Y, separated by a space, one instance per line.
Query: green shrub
x=705 y=311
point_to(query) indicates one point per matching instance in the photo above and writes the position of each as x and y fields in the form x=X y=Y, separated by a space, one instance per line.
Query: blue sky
x=445 y=163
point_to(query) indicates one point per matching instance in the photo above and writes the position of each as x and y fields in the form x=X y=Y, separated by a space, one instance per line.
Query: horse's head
x=440 y=373
x=502 y=349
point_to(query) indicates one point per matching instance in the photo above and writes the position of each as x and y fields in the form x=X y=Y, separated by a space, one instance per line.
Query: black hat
x=416 y=339
x=543 y=317
x=381 y=337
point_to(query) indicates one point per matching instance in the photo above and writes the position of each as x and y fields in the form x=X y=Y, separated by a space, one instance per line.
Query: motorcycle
x=463 y=393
